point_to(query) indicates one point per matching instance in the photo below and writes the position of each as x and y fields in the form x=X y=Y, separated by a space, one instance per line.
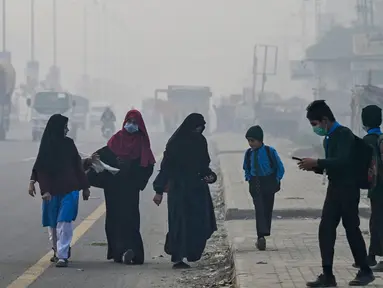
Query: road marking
x=28 y=159
x=31 y=275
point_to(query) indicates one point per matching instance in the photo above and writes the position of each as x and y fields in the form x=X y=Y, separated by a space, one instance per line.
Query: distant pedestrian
x=59 y=171
x=185 y=173
x=264 y=171
x=372 y=120
x=343 y=194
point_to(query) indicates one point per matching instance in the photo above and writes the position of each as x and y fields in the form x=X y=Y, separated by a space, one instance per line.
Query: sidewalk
x=292 y=256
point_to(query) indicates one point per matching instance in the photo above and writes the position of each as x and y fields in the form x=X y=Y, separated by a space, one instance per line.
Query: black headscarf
x=56 y=151
x=187 y=148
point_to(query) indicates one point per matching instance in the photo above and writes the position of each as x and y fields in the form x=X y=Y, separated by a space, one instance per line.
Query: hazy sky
x=206 y=42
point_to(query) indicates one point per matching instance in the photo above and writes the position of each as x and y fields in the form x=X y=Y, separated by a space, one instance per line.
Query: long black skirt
x=122 y=223
x=191 y=219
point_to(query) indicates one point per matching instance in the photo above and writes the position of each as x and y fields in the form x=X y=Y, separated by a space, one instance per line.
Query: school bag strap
x=248 y=161
x=271 y=158
x=380 y=147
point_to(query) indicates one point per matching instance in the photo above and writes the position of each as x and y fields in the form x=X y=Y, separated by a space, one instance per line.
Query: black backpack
x=366 y=164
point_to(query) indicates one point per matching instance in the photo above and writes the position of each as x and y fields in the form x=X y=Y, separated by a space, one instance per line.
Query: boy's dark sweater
x=339 y=164
x=372 y=139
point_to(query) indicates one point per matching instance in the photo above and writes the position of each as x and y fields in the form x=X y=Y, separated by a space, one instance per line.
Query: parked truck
x=46 y=103
x=180 y=101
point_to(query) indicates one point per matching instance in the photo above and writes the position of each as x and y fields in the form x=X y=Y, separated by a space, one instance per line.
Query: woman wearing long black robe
x=129 y=150
x=185 y=173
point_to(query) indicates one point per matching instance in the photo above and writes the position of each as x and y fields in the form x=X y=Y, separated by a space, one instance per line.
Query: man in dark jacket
x=343 y=194
x=372 y=119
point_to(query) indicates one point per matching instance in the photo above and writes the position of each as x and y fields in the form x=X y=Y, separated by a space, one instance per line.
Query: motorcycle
x=107 y=130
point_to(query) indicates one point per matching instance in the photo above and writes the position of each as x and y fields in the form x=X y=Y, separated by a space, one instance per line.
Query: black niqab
x=56 y=151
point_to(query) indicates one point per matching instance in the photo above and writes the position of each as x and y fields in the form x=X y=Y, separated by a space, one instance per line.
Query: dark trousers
x=376 y=226
x=342 y=202
x=263 y=200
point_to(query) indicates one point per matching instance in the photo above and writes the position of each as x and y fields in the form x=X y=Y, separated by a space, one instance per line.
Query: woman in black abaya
x=129 y=150
x=185 y=173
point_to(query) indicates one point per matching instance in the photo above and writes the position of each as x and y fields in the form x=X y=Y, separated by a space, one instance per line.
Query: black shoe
x=261 y=244
x=62 y=263
x=362 y=278
x=323 y=281
x=127 y=257
x=54 y=258
x=181 y=265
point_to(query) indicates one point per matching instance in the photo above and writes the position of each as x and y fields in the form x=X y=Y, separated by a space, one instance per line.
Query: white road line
x=28 y=159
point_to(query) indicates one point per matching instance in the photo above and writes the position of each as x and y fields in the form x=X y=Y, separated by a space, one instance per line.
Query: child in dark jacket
x=264 y=171
x=372 y=119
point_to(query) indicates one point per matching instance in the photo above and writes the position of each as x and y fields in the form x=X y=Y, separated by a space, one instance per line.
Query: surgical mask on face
x=131 y=128
x=319 y=131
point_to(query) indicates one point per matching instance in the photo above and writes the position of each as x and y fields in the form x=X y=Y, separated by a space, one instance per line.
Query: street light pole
x=54 y=25
x=32 y=30
x=85 y=40
x=4 y=25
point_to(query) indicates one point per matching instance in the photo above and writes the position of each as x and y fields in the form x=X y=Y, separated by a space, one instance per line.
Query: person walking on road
x=129 y=150
x=59 y=172
x=372 y=119
x=343 y=194
x=264 y=171
x=185 y=174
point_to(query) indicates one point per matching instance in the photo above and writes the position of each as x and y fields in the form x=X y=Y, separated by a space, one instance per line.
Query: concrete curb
x=233 y=252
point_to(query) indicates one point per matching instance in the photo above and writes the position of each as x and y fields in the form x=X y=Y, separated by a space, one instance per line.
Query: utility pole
x=318 y=19
x=4 y=25
x=53 y=78
x=32 y=68
x=304 y=25
x=85 y=40
x=32 y=30
x=254 y=82
x=54 y=26
x=365 y=12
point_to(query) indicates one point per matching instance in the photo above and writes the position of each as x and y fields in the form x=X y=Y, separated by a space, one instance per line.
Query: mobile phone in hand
x=296 y=158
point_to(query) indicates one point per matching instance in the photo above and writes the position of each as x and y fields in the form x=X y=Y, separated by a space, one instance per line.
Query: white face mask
x=131 y=128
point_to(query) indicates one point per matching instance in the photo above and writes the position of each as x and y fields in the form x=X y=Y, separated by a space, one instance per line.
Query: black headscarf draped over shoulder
x=186 y=148
x=57 y=152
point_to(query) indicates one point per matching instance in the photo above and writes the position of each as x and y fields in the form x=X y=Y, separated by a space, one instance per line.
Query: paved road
x=23 y=241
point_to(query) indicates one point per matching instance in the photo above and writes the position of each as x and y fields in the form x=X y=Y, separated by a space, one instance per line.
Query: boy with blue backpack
x=264 y=171
x=372 y=119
